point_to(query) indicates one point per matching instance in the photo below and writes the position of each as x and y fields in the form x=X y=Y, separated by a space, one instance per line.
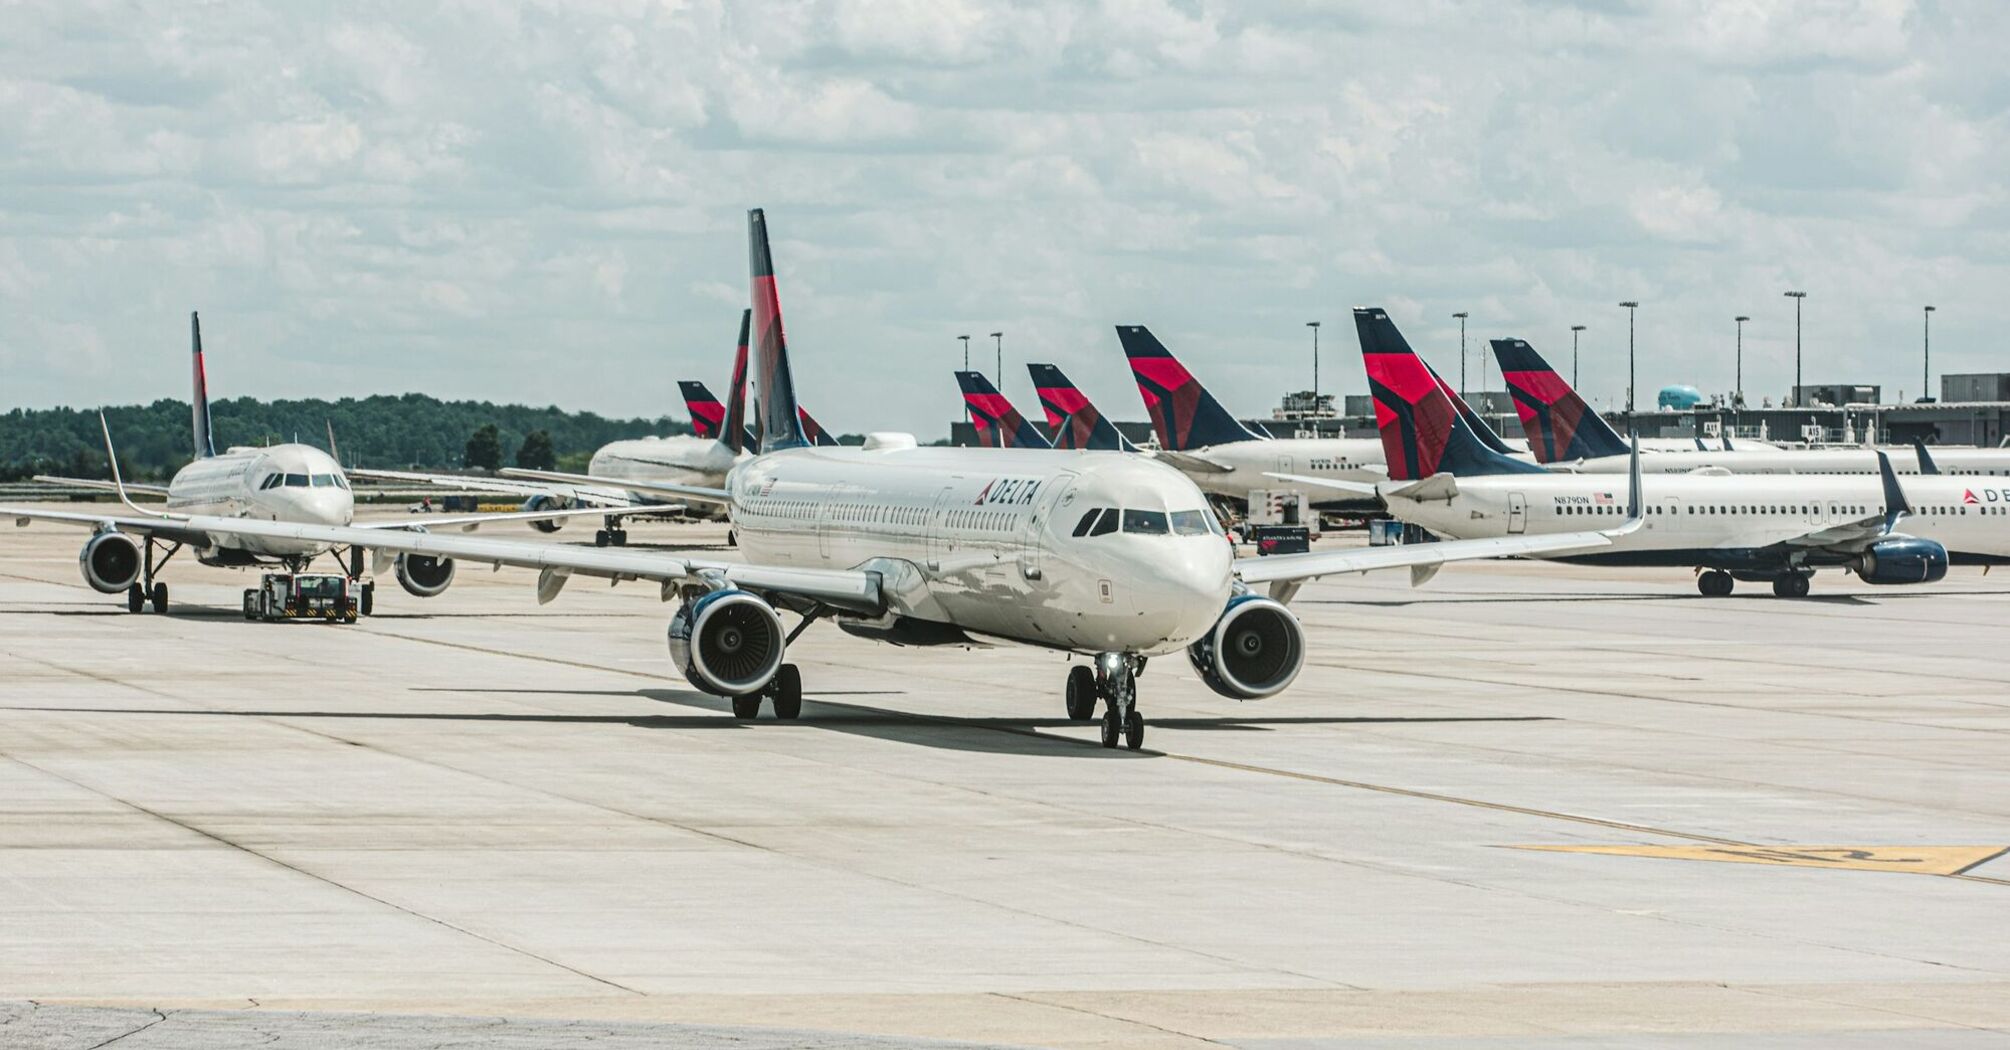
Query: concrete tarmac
x=1755 y=822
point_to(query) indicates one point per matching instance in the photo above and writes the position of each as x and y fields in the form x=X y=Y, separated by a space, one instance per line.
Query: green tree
x=536 y=453
x=484 y=449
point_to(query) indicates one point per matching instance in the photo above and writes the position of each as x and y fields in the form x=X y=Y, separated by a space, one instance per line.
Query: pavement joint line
x=1030 y=999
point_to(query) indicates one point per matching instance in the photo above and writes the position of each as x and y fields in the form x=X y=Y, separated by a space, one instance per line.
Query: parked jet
x=1223 y=456
x=1114 y=557
x=1567 y=434
x=276 y=483
x=998 y=424
x=1076 y=423
x=1773 y=529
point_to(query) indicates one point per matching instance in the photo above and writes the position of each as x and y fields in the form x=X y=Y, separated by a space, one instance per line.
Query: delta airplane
x=1772 y=529
x=1075 y=421
x=1567 y=435
x=289 y=483
x=998 y=424
x=1110 y=556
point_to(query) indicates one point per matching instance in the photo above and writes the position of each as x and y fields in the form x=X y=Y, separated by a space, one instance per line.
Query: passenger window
x=1145 y=522
x=1105 y=524
x=1190 y=522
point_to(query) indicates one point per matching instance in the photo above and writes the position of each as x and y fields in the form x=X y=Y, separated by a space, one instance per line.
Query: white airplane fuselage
x=1972 y=462
x=289 y=483
x=1233 y=470
x=1691 y=520
x=984 y=541
x=679 y=460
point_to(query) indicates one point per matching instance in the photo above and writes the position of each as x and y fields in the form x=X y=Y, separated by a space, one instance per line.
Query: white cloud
x=545 y=201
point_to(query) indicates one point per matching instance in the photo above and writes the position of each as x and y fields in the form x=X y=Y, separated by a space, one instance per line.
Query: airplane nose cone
x=1187 y=587
x=324 y=506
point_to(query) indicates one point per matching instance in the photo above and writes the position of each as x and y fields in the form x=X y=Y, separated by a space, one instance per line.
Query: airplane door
x=1517 y=513
x=1834 y=514
x=1059 y=496
x=939 y=544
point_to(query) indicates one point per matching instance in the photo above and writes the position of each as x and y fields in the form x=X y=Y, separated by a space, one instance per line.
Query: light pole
x=966 y=352
x=1630 y=306
x=1738 y=384
x=1797 y=297
x=1000 y=336
x=1461 y=315
x=1574 y=329
x=1314 y=325
x=1926 y=353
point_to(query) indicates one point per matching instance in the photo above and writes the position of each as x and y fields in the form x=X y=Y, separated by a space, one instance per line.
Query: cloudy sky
x=546 y=202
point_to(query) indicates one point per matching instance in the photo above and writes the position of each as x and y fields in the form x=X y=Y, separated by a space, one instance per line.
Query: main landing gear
x=784 y=695
x=1715 y=583
x=1792 y=585
x=612 y=535
x=149 y=590
x=1114 y=680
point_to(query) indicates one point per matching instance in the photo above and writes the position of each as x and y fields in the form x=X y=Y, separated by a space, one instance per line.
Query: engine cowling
x=537 y=503
x=424 y=576
x=1906 y=559
x=111 y=562
x=1255 y=650
x=727 y=643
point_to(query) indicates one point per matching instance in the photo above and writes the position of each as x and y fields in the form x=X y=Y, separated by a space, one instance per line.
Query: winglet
x=1895 y=505
x=333 y=453
x=118 y=482
x=1926 y=463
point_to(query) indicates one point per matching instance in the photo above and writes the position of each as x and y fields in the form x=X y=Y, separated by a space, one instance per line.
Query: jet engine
x=1252 y=652
x=111 y=562
x=424 y=576
x=537 y=503
x=1905 y=559
x=727 y=643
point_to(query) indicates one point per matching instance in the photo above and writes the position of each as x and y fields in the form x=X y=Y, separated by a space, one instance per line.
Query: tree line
x=408 y=431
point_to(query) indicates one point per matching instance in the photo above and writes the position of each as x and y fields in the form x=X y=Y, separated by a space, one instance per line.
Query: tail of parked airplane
x=1075 y=421
x=1559 y=425
x=998 y=424
x=739 y=436
x=1185 y=415
x=708 y=415
x=775 y=388
x=1422 y=432
x=205 y=443
x=813 y=431
x=1474 y=423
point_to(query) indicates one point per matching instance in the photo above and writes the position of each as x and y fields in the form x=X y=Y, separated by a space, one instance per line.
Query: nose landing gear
x=1115 y=679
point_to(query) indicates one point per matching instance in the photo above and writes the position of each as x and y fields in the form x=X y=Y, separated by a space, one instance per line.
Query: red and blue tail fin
x=205 y=442
x=998 y=424
x=736 y=433
x=1559 y=425
x=708 y=415
x=1185 y=415
x=814 y=431
x=1474 y=423
x=1422 y=431
x=1075 y=421
x=774 y=386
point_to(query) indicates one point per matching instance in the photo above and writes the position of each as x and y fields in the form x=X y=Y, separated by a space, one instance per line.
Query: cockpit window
x=271 y=481
x=296 y=481
x=324 y=481
x=1082 y=527
x=1145 y=522
x=1105 y=524
x=1191 y=522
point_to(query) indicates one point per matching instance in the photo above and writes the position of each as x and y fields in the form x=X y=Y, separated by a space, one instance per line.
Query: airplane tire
x=619 y=536
x=1134 y=730
x=160 y=597
x=1111 y=730
x=136 y=599
x=1081 y=693
x=747 y=708
x=366 y=602
x=250 y=604
x=1793 y=585
x=788 y=698
x=1715 y=584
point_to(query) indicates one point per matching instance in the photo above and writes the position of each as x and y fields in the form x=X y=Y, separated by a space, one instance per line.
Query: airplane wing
x=173 y=528
x=665 y=488
x=603 y=492
x=849 y=589
x=1189 y=462
x=1359 y=488
x=1298 y=568
x=1851 y=537
x=102 y=486
x=1437 y=486
x=471 y=522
